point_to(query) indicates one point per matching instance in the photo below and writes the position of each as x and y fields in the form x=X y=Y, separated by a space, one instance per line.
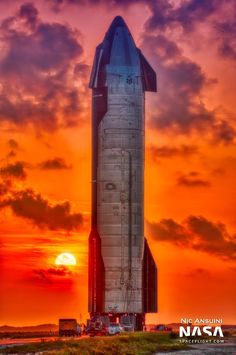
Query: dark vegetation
x=126 y=344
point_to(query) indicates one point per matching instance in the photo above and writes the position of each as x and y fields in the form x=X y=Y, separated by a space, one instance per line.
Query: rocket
x=122 y=271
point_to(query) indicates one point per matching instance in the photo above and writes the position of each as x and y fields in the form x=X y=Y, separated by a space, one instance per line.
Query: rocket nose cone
x=118 y=22
x=122 y=49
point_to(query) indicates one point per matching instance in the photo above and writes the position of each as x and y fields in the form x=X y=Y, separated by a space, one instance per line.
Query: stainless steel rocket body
x=120 y=187
x=120 y=261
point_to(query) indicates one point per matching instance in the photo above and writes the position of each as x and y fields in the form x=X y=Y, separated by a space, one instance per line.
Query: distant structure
x=122 y=271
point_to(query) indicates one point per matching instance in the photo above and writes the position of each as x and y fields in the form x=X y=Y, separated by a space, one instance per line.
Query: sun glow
x=65 y=259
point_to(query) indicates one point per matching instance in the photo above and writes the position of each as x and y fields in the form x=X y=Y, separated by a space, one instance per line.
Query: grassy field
x=125 y=344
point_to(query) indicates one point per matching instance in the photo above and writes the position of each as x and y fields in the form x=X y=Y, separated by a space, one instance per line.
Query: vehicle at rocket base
x=122 y=271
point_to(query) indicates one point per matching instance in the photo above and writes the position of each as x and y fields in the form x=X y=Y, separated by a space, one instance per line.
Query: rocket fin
x=149 y=281
x=148 y=74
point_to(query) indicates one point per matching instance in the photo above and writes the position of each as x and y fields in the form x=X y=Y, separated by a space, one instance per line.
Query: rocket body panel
x=120 y=192
x=96 y=264
x=96 y=274
x=119 y=83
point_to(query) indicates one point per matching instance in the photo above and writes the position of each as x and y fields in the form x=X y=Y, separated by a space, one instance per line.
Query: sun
x=65 y=259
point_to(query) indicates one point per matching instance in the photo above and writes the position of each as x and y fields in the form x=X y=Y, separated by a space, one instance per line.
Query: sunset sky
x=46 y=53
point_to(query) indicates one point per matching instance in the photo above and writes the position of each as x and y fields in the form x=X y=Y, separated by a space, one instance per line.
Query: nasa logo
x=197 y=331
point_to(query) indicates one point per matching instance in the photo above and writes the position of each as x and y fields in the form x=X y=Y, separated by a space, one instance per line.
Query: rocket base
x=129 y=321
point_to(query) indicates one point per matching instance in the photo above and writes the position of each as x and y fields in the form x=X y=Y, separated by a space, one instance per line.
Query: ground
x=125 y=344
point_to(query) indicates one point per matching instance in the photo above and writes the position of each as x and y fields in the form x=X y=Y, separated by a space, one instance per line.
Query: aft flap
x=148 y=74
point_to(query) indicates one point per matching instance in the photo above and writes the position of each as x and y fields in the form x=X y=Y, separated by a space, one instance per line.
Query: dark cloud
x=198 y=233
x=173 y=151
x=32 y=206
x=5 y=187
x=52 y=274
x=13 y=144
x=218 y=172
x=181 y=82
x=11 y=154
x=164 y=13
x=81 y=71
x=187 y=14
x=192 y=179
x=58 y=5
x=224 y=132
x=227 y=38
x=193 y=12
x=208 y=231
x=15 y=170
x=54 y=164
x=43 y=214
x=198 y=272
x=168 y=230
x=161 y=15
x=41 y=275
x=179 y=105
x=59 y=271
x=29 y=14
x=38 y=71
x=165 y=49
